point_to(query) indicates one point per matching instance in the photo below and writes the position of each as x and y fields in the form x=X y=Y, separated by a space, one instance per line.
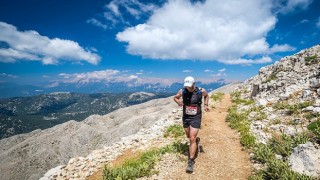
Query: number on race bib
x=191 y=110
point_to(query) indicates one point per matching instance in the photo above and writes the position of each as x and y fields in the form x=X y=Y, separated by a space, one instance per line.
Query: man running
x=191 y=102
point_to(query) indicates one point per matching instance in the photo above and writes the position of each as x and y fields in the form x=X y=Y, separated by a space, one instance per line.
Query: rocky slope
x=287 y=96
x=25 y=114
x=29 y=156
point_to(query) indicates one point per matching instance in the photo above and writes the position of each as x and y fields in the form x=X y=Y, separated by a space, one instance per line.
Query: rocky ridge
x=287 y=96
x=82 y=167
x=31 y=155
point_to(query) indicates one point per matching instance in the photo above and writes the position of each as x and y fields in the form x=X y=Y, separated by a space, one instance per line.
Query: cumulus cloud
x=31 y=46
x=187 y=71
x=214 y=30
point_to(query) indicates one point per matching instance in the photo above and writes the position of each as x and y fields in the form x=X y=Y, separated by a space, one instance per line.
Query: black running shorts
x=195 y=123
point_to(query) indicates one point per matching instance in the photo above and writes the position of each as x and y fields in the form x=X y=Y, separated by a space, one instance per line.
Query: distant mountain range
x=15 y=90
x=30 y=107
x=25 y=114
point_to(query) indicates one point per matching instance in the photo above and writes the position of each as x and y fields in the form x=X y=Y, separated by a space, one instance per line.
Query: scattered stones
x=282 y=89
x=81 y=167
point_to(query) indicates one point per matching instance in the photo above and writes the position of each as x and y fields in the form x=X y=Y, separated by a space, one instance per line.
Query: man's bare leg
x=193 y=145
x=192 y=135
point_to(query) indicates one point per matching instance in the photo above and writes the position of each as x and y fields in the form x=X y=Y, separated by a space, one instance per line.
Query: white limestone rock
x=305 y=159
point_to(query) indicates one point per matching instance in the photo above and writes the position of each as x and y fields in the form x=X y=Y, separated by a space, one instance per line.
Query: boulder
x=305 y=159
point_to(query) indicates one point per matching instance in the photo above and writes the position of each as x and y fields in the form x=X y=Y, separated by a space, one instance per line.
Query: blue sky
x=44 y=42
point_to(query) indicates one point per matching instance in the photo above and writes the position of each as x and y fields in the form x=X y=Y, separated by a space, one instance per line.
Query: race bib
x=191 y=110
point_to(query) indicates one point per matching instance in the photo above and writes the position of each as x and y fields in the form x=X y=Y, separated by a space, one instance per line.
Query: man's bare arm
x=206 y=99
x=177 y=97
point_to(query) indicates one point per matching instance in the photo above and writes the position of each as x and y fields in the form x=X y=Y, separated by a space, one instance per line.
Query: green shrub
x=266 y=153
x=259 y=175
x=263 y=153
x=279 y=169
x=260 y=114
x=313 y=126
x=133 y=168
x=281 y=105
x=293 y=109
x=273 y=76
x=311 y=60
x=310 y=115
x=235 y=94
x=247 y=139
x=296 y=108
x=239 y=121
x=142 y=166
x=315 y=129
x=217 y=96
x=284 y=144
x=174 y=131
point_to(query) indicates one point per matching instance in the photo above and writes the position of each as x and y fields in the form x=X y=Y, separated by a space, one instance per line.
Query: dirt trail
x=223 y=156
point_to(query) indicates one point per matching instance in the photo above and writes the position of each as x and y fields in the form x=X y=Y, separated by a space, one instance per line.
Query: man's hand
x=206 y=108
x=180 y=103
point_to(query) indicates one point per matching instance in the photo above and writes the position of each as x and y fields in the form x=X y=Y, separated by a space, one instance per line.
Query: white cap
x=188 y=81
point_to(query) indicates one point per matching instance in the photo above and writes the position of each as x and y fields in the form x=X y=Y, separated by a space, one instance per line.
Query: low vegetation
x=239 y=120
x=315 y=128
x=273 y=76
x=273 y=155
x=311 y=60
x=143 y=165
x=217 y=96
x=294 y=108
x=174 y=131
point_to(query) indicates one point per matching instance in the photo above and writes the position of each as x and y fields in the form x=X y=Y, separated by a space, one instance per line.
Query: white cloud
x=222 y=70
x=8 y=75
x=281 y=48
x=187 y=71
x=31 y=46
x=293 y=5
x=215 y=30
x=133 y=77
x=134 y=8
x=242 y=61
x=97 y=23
x=304 y=21
x=115 y=76
x=95 y=76
x=114 y=8
x=110 y=75
x=208 y=70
